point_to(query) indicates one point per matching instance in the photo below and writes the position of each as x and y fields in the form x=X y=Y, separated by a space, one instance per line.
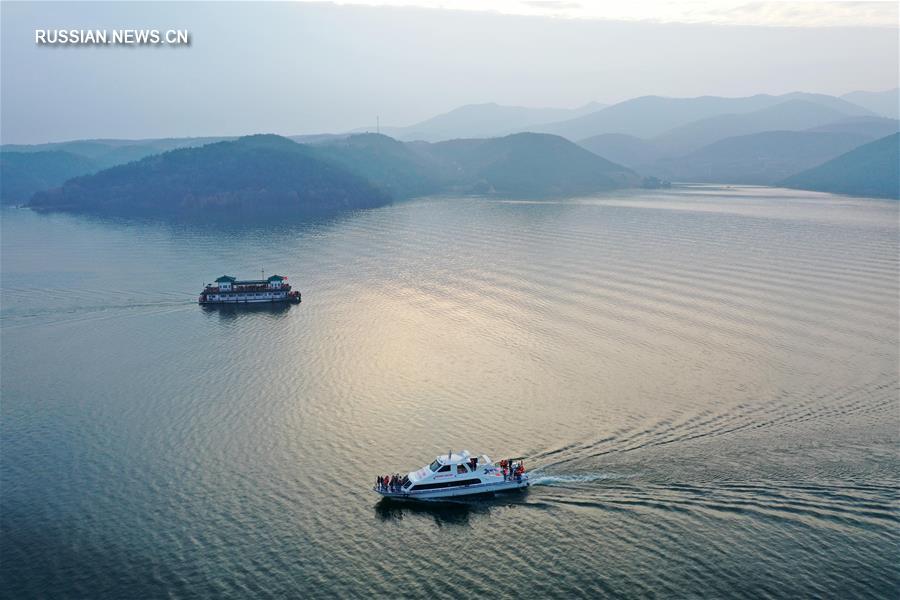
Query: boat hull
x=458 y=492
x=289 y=300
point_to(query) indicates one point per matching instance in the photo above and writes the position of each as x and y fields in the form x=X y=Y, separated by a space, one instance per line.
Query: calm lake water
x=706 y=381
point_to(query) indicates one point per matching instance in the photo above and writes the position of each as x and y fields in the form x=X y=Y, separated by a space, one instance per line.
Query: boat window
x=460 y=469
x=444 y=469
x=406 y=482
x=420 y=487
x=434 y=466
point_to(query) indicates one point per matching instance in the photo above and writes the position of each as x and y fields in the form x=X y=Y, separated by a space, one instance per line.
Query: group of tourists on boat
x=512 y=470
x=390 y=483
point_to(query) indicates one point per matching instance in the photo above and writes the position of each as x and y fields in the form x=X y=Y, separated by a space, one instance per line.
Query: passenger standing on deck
x=378 y=482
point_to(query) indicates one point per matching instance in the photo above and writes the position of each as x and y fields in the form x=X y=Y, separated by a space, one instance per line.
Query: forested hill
x=24 y=173
x=259 y=175
x=272 y=175
x=527 y=164
x=870 y=170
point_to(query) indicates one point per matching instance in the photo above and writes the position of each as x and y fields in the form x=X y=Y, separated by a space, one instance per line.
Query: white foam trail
x=537 y=479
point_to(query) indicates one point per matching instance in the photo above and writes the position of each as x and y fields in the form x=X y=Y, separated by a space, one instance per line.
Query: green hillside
x=392 y=166
x=259 y=175
x=791 y=115
x=271 y=175
x=759 y=158
x=527 y=164
x=870 y=170
x=24 y=173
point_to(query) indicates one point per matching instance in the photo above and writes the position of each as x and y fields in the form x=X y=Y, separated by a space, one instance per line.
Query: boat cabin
x=448 y=470
x=276 y=281
x=225 y=283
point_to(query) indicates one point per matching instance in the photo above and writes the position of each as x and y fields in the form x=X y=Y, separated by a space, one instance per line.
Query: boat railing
x=246 y=288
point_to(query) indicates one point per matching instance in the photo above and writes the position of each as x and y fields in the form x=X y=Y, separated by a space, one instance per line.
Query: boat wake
x=563 y=480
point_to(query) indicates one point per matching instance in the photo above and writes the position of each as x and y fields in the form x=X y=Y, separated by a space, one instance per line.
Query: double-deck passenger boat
x=228 y=290
x=453 y=475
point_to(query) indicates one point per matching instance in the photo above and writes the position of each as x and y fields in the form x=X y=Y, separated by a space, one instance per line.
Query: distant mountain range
x=484 y=121
x=790 y=115
x=757 y=147
x=707 y=138
x=869 y=170
x=872 y=127
x=759 y=158
x=272 y=175
x=886 y=104
x=760 y=139
x=651 y=116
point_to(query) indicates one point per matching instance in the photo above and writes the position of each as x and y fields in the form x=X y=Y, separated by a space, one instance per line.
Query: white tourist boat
x=453 y=475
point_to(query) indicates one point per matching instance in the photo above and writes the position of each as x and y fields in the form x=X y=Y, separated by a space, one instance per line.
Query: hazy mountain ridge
x=392 y=166
x=24 y=173
x=639 y=153
x=785 y=116
x=111 y=152
x=763 y=140
x=27 y=169
x=650 y=116
x=873 y=127
x=272 y=175
x=756 y=147
x=869 y=170
x=484 y=121
x=886 y=103
x=528 y=164
x=628 y=150
x=522 y=164
x=758 y=158
x=258 y=175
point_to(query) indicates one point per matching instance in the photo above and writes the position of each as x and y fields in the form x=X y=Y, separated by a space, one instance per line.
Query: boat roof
x=227 y=278
x=452 y=458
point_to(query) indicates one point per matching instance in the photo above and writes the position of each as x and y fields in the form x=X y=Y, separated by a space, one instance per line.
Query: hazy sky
x=301 y=67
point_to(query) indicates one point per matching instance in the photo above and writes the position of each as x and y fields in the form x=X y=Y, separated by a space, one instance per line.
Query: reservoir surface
x=704 y=379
